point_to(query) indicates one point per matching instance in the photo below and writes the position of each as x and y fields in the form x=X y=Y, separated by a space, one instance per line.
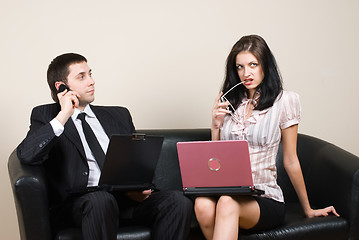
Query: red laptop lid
x=215 y=163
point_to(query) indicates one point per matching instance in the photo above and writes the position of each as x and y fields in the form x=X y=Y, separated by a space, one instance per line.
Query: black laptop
x=130 y=163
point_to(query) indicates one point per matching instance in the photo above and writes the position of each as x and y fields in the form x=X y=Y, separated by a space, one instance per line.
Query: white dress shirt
x=94 y=169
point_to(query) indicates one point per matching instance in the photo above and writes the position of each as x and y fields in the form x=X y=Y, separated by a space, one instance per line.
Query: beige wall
x=164 y=60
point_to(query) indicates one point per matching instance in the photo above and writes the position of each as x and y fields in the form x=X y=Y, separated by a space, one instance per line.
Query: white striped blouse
x=262 y=130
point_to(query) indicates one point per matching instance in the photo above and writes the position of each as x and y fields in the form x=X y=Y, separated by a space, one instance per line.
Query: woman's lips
x=247 y=81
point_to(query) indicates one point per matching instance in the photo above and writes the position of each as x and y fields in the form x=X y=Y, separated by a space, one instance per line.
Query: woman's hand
x=321 y=212
x=218 y=112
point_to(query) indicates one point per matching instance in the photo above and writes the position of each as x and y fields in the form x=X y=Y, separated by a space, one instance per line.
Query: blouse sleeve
x=290 y=111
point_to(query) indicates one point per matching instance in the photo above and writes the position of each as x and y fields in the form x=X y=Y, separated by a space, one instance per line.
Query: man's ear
x=58 y=84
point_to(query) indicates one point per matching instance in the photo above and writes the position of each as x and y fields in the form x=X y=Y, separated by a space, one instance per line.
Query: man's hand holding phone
x=68 y=101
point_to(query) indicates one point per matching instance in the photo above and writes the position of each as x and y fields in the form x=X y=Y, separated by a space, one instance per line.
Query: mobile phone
x=62 y=88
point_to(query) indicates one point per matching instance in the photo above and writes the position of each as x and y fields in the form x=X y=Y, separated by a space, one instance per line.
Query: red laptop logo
x=214 y=164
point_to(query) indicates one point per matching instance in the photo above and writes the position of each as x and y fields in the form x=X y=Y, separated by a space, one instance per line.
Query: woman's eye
x=254 y=64
x=239 y=67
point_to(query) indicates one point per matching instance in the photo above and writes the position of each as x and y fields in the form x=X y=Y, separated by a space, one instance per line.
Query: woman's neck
x=251 y=93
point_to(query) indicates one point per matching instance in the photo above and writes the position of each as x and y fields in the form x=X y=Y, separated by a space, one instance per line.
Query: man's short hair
x=58 y=70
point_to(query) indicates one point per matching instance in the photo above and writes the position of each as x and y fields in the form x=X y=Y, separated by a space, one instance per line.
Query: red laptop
x=216 y=168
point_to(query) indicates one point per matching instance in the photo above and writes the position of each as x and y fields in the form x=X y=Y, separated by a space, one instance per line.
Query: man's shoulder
x=116 y=116
x=49 y=108
x=110 y=109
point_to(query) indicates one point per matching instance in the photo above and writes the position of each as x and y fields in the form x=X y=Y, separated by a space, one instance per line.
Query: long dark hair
x=271 y=85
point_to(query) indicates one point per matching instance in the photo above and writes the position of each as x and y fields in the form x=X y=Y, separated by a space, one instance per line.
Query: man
x=57 y=140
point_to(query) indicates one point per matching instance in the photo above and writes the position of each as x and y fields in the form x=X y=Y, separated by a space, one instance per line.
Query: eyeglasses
x=224 y=99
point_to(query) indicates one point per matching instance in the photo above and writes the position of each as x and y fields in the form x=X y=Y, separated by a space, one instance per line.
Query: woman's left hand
x=321 y=212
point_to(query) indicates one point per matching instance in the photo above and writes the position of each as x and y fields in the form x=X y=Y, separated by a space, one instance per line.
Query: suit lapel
x=70 y=131
x=105 y=119
x=73 y=135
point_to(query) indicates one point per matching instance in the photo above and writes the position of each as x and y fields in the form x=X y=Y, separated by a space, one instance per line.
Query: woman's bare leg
x=205 y=209
x=234 y=212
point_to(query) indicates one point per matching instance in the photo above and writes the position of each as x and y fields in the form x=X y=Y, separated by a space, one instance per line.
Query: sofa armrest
x=333 y=179
x=30 y=194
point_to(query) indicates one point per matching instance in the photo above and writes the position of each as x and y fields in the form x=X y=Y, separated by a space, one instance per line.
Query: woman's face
x=249 y=71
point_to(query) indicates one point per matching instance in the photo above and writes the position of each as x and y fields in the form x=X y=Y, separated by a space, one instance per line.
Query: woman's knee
x=204 y=208
x=227 y=205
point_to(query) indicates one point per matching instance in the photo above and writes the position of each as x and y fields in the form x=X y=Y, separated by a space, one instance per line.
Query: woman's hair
x=270 y=87
x=58 y=70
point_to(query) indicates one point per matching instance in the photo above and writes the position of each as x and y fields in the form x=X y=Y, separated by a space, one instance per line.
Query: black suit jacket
x=64 y=157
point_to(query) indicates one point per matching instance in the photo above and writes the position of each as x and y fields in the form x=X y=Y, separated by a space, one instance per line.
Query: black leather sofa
x=331 y=175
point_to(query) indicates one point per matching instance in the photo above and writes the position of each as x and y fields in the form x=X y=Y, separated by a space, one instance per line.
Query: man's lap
x=129 y=211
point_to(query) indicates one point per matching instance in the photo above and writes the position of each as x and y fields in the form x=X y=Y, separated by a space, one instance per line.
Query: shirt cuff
x=57 y=127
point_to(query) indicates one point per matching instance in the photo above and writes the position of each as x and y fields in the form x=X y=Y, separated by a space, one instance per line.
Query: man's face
x=80 y=80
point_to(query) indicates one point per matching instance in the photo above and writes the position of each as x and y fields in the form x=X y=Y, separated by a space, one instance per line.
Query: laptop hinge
x=138 y=136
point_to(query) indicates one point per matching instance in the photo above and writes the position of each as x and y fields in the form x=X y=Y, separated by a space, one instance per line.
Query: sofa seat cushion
x=297 y=227
x=128 y=233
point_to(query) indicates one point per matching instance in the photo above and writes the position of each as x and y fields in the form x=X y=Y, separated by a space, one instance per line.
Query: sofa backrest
x=167 y=175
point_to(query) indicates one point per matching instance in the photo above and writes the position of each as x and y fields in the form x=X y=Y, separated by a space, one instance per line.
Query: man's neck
x=82 y=107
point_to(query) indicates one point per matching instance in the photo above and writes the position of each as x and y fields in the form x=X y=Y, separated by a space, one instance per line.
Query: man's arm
x=40 y=138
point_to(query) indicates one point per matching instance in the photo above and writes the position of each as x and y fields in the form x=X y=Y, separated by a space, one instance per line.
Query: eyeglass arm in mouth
x=222 y=98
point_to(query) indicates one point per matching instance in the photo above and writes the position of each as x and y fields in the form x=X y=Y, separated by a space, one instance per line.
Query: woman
x=257 y=109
